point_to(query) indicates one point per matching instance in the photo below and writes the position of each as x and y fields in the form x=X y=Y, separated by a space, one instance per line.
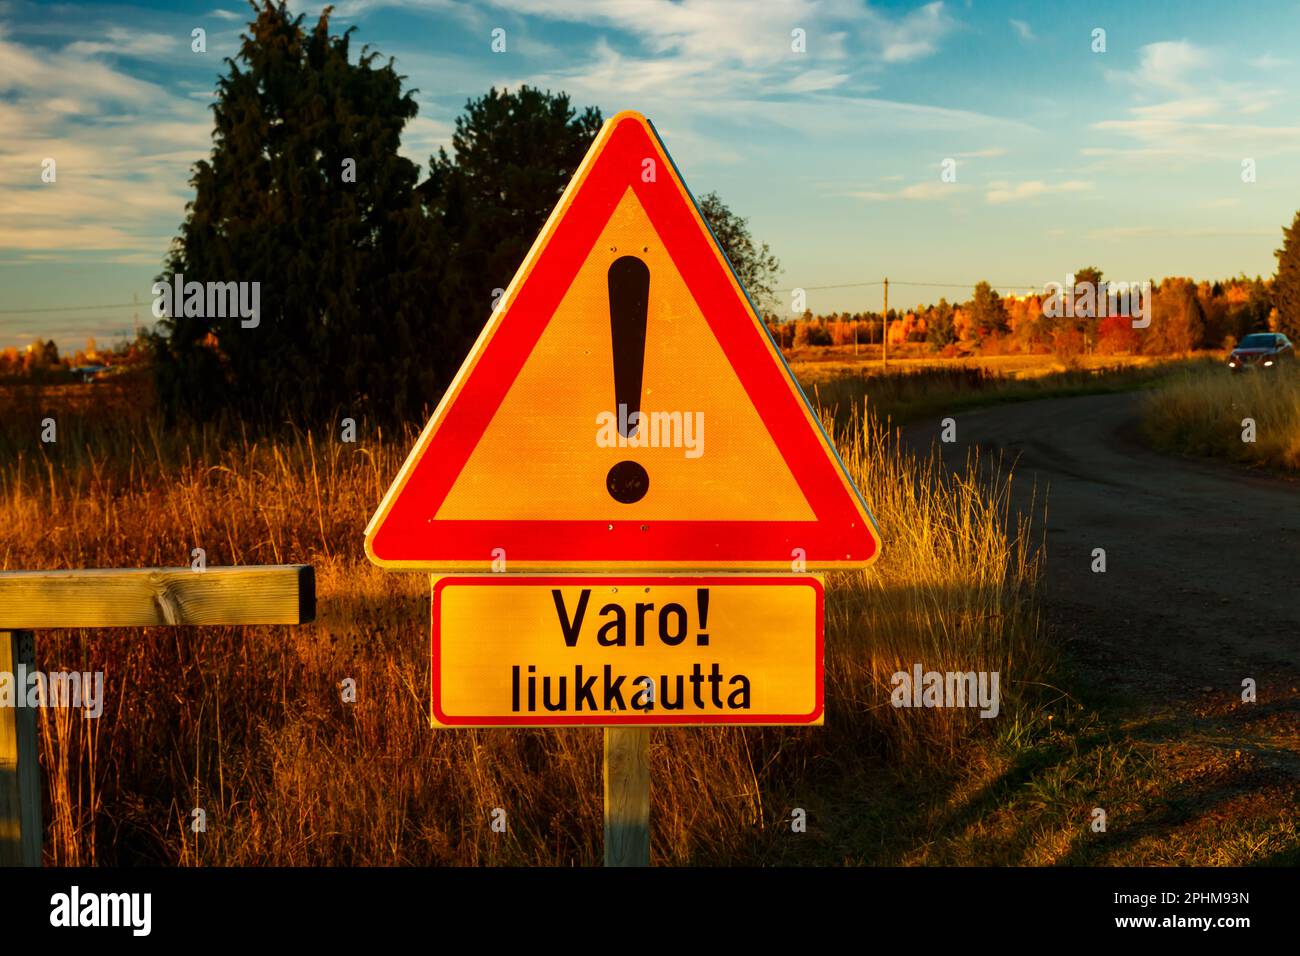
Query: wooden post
x=117 y=597
x=884 y=330
x=627 y=796
x=158 y=597
x=20 y=781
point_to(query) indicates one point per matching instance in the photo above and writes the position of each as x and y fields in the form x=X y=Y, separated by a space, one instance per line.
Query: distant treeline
x=1184 y=315
x=41 y=360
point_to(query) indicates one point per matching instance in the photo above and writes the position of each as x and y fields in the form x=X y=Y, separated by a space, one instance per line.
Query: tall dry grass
x=906 y=393
x=248 y=723
x=1203 y=411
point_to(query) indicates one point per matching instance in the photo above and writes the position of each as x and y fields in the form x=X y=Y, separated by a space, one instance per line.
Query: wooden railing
x=132 y=597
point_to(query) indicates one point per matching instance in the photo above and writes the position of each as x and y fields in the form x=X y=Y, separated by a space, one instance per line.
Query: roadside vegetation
x=248 y=722
x=1204 y=411
x=911 y=392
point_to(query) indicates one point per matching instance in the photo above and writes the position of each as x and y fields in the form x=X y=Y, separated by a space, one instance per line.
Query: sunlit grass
x=1205 y=412
x=247 y=723
x=911 y=392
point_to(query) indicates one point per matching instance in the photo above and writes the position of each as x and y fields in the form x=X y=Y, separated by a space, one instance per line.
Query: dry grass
x=830 y=362
x=1202 y=413
x=910 y=392
x=248 y=723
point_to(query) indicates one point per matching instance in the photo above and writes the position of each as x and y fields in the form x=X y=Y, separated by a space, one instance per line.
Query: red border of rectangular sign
x=597 y=720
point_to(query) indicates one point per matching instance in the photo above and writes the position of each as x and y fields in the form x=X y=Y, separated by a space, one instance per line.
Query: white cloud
x=813 y=80
x=69 y=235
x=1000 y=192
x=25 y=72
x=422 y=136
x=931 y=190
x=707 y=32
x=925 y=192
x=1268 y=61
x=715 y=35
x=119 y=41
x=1197 y=142
x=1023 y=30
x=1178 y=232
x=916 y=35
x=1200 y=121
x=123 y=148
x=1190 y=107
x=1170 y=65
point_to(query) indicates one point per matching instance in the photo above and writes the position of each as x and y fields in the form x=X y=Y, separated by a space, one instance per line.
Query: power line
x=67 y=308
x=935 y=285
x=806 y=288
x=969 y=285
x=818 y=288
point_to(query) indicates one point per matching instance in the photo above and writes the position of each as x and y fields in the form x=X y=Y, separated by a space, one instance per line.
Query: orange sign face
x=514 y=650
x=624 y=408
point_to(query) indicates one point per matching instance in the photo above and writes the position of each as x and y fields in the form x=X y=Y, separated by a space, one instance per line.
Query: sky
x=1173 y=151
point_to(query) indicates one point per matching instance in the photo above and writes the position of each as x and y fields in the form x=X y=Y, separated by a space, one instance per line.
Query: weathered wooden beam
x=20 y=779
x=627 y=796
x=154 y=597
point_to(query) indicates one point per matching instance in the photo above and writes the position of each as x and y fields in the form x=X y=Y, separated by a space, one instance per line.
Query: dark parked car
x=1261 y=350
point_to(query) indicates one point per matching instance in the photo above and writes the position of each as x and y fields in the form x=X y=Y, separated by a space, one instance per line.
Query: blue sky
x=1130 y=159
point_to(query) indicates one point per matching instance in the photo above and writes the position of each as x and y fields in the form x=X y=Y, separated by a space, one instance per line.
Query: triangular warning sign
x=624 y=408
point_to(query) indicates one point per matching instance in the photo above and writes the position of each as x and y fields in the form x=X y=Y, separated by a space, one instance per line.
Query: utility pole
x=884 y=329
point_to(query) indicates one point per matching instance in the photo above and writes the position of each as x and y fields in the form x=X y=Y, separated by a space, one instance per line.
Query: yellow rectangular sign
x=519 y=650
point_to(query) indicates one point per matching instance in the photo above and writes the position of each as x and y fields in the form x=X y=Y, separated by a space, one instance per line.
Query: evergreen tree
x=1090 y=278
x=372 y=288
x=988 y=315
x=514 y=154
x=304 y=193
x=1286 y=287
x=940 y=331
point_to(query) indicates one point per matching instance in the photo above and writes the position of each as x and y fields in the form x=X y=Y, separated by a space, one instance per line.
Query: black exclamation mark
x=702 y=602
x=629 y=297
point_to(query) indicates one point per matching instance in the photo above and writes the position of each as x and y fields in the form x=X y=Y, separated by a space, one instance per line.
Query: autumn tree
x=988 y=317
x=940 y=331
x=1178 y=320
